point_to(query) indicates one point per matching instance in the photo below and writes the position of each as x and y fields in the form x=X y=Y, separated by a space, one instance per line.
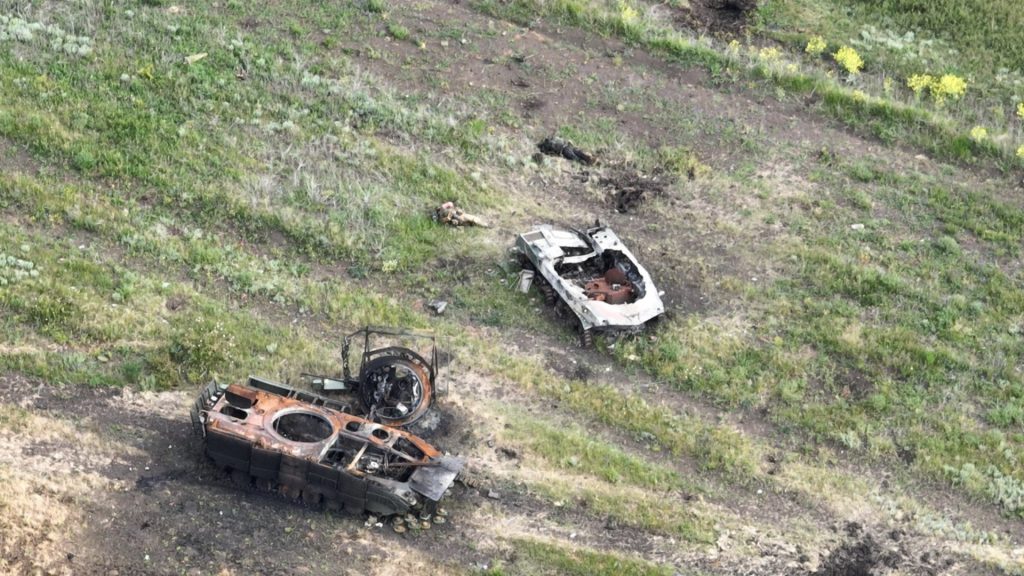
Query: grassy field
x=204 y=190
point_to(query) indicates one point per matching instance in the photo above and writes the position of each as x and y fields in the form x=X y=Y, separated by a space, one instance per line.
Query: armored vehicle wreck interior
x=307 y=446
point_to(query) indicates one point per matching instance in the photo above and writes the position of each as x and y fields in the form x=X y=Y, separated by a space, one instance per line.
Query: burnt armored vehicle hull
x=306 y=446
x=594 y=275
x=394 y=384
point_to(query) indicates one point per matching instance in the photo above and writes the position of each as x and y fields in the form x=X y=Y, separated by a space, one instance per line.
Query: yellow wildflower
x=849 y=59
x=627 y=13
x=734 y=46
x=950 y=86
x=918 y=82
x=815 y=46
x=1020 y=151
x=1020 y=109
x=979 y=133
x=860 y=96
x=792 y=68
x=769 y=54
x=887 y=86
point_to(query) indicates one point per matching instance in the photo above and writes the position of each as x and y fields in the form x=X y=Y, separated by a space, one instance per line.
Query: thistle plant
x=14 y=28
x=13 y=269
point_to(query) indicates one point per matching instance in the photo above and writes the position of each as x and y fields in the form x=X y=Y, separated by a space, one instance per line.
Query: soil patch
x=631 y=188
x=864 y=554
x=721 y=17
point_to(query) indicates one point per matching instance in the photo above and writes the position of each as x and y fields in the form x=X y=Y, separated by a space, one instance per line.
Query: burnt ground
x=165 y=510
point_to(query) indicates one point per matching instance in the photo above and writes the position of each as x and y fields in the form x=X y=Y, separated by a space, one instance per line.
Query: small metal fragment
x=525 y=280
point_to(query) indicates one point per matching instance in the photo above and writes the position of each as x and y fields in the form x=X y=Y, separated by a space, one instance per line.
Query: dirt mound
x=630 y=188
x=864 y=554
x=723 y=16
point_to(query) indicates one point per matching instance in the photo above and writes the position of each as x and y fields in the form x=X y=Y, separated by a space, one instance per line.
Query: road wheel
x=311 y=498
x=289 y=492
x=241 y=478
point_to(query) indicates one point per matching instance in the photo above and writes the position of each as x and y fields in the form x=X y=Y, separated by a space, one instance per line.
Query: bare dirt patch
x=864 y=554
x=14 y=158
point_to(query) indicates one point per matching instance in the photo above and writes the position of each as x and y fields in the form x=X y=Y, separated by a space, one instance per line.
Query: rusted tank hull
x=308 y=447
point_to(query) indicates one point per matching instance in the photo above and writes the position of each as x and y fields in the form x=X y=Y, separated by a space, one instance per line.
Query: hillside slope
x=202 y=190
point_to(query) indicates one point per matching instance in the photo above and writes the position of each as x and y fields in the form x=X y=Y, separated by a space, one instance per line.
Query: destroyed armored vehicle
x=594 y=275
x=307 y=446
x=394 y=384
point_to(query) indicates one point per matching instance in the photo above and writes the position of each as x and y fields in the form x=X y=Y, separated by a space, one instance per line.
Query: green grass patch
x=890 y=120
x=571 y=447
x=535 y=557
x=716 y=448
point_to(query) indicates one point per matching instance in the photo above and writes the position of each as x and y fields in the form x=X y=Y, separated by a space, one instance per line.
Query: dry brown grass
x=48 y=468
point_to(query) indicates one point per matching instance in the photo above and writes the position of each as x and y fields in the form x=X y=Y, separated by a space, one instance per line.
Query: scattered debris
x=310 y=447
x=394 y=383
x=450 y=214
x=438 y=306
x=555 y=146
x=190 y=60
x=493 y=495
x=631 y=188
x=593 y=274
x=525 y=280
